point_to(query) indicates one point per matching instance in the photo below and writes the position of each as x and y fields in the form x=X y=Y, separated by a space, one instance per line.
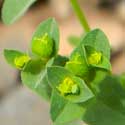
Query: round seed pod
x=43 y=46
x=77 y=65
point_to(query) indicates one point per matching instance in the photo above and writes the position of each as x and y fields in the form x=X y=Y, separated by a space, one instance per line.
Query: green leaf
x=13 y=9
x=57 y=74
x=112 y=94
x=34 y=77
x=100 y=114
x=108 y=108
x=68 y=113
x=57 y=104
x=62 y=111
x=50 y=27
x=100 y=75
x=98 y=40
x=109 y=91
x=10 y=56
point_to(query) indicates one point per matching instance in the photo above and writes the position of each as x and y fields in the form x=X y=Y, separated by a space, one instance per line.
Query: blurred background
x=18 y=105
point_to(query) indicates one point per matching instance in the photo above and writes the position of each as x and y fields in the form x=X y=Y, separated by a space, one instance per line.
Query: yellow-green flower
x=43 y=46
x=68 y=86
x=21 y=61
x=95 y=58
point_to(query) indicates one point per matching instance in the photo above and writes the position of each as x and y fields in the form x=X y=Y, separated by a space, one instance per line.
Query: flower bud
x=43 y=46
x=95 y=58
x=68 y=87
x=77 y=65
x=21 y=61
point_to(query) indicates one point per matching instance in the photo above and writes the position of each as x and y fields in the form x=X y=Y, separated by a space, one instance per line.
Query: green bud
x=43 y=46
x=21 y=61
x=95 y=58
x=68 y=87
x=77 y=65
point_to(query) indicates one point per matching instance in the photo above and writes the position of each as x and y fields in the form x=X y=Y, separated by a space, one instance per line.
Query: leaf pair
x=63 y=107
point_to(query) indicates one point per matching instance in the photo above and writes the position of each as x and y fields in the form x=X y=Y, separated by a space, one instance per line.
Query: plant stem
x=80 y=15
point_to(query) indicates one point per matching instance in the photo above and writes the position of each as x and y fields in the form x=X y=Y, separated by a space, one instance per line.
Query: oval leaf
x=57 y=74
x=100 y=114
x=62 y=111
x=98 y=40
x=14 y=9
x=34 y=77
x=10 y=56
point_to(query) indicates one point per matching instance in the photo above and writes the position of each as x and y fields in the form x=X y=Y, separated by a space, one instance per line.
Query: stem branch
x=80 y=15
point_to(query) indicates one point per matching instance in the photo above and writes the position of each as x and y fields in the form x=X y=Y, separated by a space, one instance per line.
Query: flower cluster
x=21 y=61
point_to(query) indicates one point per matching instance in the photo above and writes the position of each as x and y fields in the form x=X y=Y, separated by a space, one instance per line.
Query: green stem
x=80 y=15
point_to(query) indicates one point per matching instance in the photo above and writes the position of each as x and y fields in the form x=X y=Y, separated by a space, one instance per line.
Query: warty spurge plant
x=78 y=87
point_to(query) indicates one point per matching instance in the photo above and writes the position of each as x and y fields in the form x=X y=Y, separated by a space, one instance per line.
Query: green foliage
x=108 y=108
x=100 y=114
x=98 y=40
x=12 y=10
x=79 y=87
x=62 y=111
x=34 y=77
